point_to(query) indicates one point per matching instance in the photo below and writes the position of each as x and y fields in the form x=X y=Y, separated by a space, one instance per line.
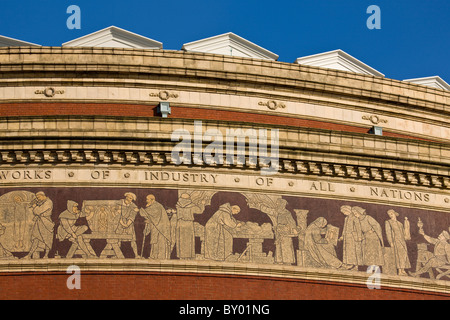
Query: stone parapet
x=223 y=83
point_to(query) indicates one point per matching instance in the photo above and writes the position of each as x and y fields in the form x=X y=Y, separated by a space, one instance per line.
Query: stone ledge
x=125 y=266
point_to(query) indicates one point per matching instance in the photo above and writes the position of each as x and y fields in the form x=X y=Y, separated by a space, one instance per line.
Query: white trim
x=339 y=60
x=124 y=39
x=11 y=42
x=434 y=81
x=229 y=41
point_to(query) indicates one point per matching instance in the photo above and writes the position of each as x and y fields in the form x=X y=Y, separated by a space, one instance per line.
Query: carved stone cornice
x=10 y=158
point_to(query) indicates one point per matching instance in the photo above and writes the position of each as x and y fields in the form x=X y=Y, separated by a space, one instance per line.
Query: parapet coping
x=289 y=76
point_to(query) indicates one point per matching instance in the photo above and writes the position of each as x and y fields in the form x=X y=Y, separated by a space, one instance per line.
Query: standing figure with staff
x=157 y=224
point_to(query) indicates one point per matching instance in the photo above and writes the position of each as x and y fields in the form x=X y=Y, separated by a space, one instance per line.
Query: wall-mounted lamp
x=164 y=109
x=378 y=131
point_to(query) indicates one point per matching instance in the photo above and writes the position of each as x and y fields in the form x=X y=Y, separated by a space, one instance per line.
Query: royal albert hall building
x=217 y=172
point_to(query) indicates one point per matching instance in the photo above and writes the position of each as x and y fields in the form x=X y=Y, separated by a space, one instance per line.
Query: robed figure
x=284 y=231
x=185 y=233
x=218 y=236
x=284 y=225
x=397 y=235
x=373 y=243
x=352 y=238
x=321 y=250
x=43 y=226
x=157 y=224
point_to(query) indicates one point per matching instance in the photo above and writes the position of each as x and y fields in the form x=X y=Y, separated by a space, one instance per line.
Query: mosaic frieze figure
x=68 y=229
x=320 y=244
x=372 y=239
x=397 y=235
x=228 y=227
x=218 y=236
x=352 y=239
x=17 y=220
x=43 y=226
x=157 y=225
x=185 y=238
x=438 y=259
x=128 y=211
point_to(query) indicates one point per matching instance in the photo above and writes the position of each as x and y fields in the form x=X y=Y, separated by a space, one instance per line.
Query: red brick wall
x=170 y=286
x=132 y=110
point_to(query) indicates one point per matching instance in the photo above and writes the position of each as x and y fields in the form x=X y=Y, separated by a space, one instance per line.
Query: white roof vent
x=10 y=42
x=338 y=60
x=435 y=82
x=229 y=44
x=114 y=37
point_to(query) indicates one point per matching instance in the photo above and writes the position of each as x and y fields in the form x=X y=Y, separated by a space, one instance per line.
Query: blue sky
x=414 y=39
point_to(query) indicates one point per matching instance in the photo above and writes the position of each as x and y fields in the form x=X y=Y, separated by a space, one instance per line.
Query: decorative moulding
x=114 y=37
x=164 y=95
x=272 y=104
x=338 y=60
x=435 y=82
x=10 y=42
x=303 y=167
x=49 y=92
x=230 y=44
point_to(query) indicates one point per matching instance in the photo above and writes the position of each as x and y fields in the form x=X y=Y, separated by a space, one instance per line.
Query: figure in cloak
x=68 y=229
x=372 y=244
x=157 y=224
x=351 y=237
x=320 y=249
x=285 y=229
x=218 y=238
x=284 y=226
x=397 y=234
x=43 y=226
x=185 y=232
x=128 y=211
